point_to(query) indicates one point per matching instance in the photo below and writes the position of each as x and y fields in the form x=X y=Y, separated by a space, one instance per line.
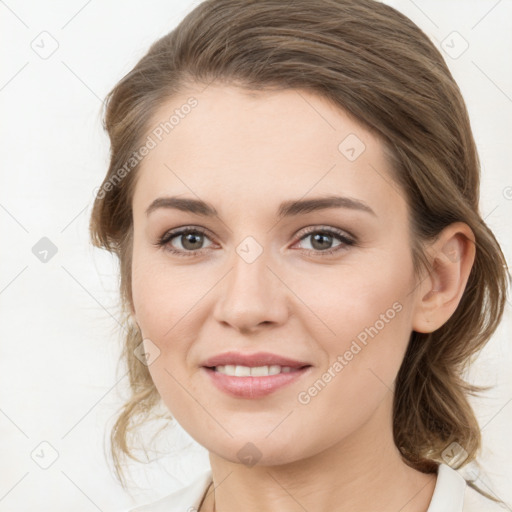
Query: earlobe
x=451 y=256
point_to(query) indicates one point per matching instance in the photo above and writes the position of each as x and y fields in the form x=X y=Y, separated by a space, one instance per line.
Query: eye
x=190 y=239
x=322 y=240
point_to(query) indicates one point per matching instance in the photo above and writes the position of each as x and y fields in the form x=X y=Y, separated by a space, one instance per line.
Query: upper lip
x=251 y=360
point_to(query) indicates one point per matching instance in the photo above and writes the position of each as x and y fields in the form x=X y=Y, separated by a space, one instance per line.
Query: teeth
x=256 y=371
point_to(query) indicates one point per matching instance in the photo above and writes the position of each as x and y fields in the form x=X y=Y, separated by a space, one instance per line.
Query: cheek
x=161 y=304
x=163 y=294
x=169 y=306
x=366 y=316
x=372 y=329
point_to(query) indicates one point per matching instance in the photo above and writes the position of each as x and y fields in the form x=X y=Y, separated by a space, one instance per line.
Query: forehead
x=241 y=146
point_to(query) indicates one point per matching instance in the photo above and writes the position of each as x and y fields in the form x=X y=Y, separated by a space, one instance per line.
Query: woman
x=293 y=197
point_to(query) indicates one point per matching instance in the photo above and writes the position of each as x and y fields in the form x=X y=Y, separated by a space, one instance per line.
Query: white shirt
x=451 y=494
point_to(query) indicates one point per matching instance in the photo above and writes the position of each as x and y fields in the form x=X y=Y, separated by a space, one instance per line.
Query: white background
x=59 y=342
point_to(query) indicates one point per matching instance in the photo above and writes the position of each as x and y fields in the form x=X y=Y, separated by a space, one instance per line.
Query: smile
x=255 y=371
x=253 y=382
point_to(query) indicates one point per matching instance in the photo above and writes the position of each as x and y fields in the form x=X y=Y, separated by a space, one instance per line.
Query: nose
x=252 y=296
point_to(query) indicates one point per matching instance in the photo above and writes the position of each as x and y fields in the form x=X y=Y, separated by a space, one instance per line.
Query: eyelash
x=165 y=240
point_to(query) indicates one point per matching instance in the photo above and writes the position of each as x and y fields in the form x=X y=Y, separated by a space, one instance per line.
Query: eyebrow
x=286 y=208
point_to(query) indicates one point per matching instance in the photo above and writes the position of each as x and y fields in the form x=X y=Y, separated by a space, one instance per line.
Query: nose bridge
x=251 y=293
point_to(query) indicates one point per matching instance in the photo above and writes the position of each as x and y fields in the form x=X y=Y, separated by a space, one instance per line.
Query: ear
x=438 y=295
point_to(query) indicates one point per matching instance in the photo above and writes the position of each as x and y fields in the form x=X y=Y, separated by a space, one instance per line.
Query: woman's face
x=330 y=287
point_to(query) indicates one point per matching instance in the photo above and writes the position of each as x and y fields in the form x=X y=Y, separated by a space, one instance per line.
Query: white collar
x=449 y=491
x=448 y=494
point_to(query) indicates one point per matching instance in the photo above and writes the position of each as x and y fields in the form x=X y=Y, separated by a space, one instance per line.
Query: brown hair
x=377 y=65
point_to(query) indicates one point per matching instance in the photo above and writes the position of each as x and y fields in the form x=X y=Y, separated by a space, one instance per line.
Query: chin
x=254 y=451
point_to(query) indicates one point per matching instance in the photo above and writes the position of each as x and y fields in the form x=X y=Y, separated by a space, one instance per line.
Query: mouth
x=233 y=370
x=255 y=360
x=253 y=382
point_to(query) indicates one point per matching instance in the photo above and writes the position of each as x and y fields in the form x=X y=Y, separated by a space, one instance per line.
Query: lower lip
x=253 y=387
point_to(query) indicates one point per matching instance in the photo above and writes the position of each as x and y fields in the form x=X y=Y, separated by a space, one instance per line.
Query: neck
x=354 y=475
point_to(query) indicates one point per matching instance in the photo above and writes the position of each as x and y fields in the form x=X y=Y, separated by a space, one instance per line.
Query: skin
x=245 y=153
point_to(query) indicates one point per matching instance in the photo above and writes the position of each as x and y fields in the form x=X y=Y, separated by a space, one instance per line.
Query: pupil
x=318 y=237
x=191 y=238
